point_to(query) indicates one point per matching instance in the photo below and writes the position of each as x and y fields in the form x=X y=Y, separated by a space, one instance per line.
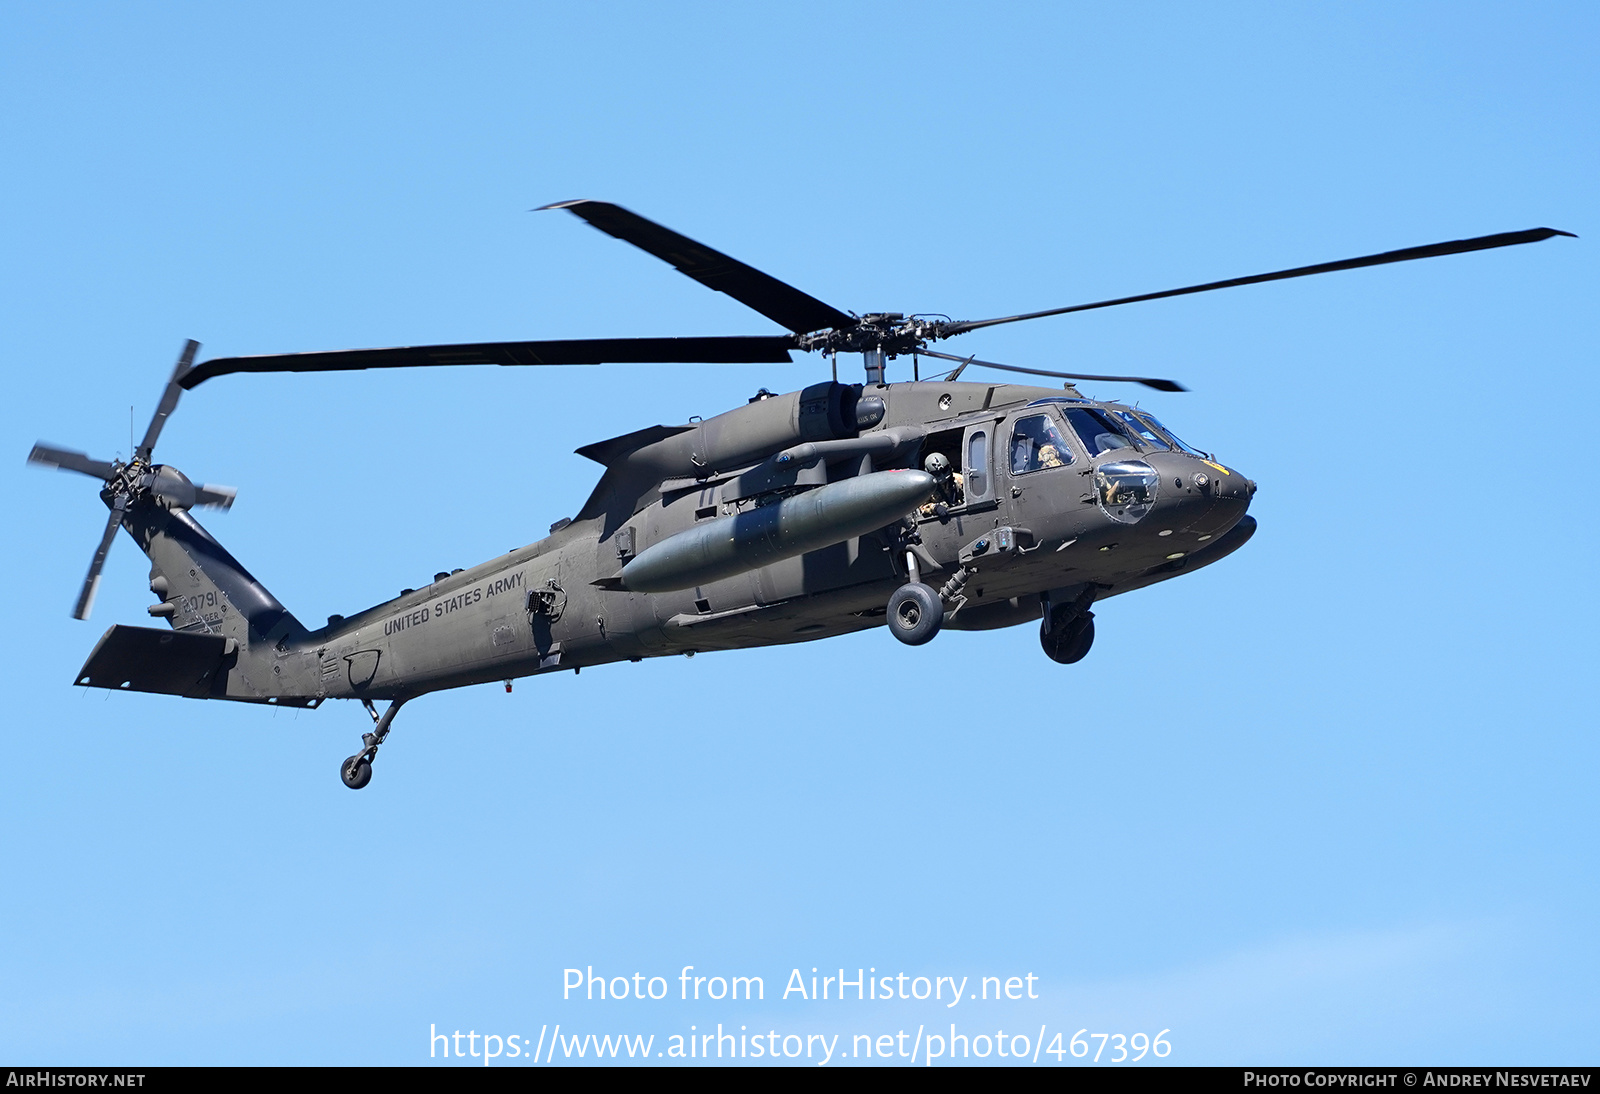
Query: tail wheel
x=356 y=772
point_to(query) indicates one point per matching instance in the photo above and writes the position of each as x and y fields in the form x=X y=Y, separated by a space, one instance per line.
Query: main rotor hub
x=889 y=333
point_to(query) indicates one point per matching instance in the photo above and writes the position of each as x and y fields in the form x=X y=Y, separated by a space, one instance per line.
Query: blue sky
x=1330 y=801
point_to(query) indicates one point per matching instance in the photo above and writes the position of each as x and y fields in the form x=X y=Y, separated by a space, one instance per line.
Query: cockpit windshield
x=1099 y=431
x=1142 y=430
x=1150 y=420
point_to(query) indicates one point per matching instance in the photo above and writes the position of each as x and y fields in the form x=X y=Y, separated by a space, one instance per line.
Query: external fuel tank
x=804 y=522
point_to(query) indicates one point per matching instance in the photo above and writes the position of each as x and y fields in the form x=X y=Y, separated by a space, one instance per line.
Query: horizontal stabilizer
x=158 y=661
x=166 y=663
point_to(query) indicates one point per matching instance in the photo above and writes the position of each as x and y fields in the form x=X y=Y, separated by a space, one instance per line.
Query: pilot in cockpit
x=1036 y=444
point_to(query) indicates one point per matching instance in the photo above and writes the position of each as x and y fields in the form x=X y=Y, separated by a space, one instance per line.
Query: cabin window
x=978 y=464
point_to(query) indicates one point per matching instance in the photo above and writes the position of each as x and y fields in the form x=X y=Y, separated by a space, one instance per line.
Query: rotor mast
x=874 y=359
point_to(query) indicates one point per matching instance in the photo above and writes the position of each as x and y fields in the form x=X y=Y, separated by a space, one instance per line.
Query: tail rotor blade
x=169 y=401
x=68 y=460
x=215 y=497
x=91 y=582
x=1148 y=381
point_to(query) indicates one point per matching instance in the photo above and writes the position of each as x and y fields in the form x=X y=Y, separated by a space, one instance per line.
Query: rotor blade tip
x=85 y=605
x=560 y=204
x=215 y=497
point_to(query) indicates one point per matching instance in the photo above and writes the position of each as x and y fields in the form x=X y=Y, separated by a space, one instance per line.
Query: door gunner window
x=1099 y=433
x=1036 y=444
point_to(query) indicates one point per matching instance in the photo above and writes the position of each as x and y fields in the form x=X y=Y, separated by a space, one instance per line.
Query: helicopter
x=916 y=505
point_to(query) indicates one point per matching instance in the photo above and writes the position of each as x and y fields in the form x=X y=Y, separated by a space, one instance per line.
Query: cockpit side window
x=1099 y=432
x=1037 y=445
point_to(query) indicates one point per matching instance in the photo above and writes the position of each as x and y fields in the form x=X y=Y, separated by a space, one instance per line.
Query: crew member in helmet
x=950 y=486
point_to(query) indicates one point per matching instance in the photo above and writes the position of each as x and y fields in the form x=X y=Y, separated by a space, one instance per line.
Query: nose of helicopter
x=1198 y=497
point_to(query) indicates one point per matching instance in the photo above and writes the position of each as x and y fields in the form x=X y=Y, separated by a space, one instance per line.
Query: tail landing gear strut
x=356 y=771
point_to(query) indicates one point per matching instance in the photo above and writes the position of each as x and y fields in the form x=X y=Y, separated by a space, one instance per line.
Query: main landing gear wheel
x=356 y=772
x=915 y=614
x=1068 y=641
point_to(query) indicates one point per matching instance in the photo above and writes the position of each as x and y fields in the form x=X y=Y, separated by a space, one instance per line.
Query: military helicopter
x=915 y=505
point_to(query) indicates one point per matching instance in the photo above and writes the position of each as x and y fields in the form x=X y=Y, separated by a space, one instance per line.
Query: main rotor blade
x=1432 y=250
x=91 y=582
x=1147 y=381
x=780 y=302
x=169 y=401
x=757 y=349
x=68 y=460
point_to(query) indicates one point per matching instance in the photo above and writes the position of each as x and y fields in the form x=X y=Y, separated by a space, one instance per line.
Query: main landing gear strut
x=356 y=771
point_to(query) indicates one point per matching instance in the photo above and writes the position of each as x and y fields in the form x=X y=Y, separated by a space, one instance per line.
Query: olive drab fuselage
x=1026 y=535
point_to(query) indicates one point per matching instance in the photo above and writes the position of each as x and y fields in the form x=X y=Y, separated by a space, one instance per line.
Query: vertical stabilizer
x=205 y=591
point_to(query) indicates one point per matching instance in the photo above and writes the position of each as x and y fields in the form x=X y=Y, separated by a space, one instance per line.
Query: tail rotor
x=139 y=481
